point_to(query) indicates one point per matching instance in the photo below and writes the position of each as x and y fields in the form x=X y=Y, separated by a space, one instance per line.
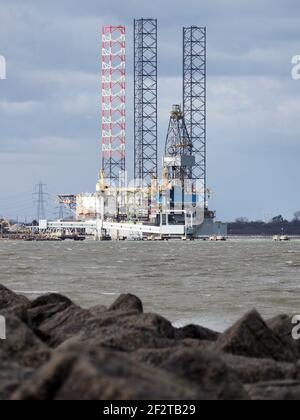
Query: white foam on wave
x=34 y=292
x=109 y=293
x=215 y=325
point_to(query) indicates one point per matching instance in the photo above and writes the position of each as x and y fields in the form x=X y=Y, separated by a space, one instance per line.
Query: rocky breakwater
x=55 y=350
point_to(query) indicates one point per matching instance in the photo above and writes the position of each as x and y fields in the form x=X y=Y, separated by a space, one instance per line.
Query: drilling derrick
x=113 y=102
x=179 y=148
x=179 y=160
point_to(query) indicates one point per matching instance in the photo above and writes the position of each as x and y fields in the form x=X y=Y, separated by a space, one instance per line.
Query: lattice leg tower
x=113 y=101
x=145 y=99
x=194 y=99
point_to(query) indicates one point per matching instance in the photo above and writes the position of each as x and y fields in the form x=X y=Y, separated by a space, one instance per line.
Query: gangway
x=98 y=226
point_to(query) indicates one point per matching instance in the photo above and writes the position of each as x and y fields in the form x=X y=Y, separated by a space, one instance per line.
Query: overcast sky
x=50 y=102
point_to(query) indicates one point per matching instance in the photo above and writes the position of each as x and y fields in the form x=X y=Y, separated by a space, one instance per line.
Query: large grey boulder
x=126 y=303
x=82 y=373
x=275 y=391
x=45 y=307
x=251 y=337
x=10 y=300
x=22 y=346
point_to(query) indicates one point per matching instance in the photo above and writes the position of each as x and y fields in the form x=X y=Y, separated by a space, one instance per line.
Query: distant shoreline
x=263 y=236
x=264 y=229
x=230 y=237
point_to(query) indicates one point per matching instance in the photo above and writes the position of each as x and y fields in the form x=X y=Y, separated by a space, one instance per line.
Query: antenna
x=113 y=101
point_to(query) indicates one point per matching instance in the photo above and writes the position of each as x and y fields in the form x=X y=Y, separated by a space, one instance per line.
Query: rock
x=282 y=326
x=129 y=341
x=154 y=357
x=275 y=391
x=124 y=331
x=197 y=332
x=251 y=337
x=21 y=345
x=296 y=372
x=97 y=310
x=202 y=345
x=127 y=303
x=63 y=325
x=16 y=311
x=246 y=370
x=10 y=300
x=207 y=371
x=80 y=373
x=12 y=376
x=158 y=325
x=46 y=306
x=56 y=350
x=250 y=370
x=204 y=370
